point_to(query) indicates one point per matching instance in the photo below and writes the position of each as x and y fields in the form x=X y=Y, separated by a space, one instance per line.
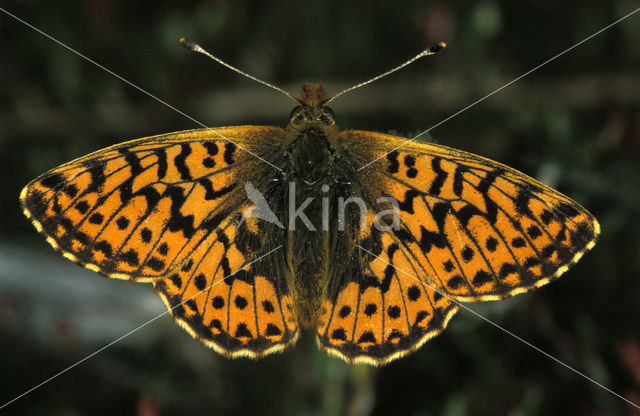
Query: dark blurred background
x=574 y=124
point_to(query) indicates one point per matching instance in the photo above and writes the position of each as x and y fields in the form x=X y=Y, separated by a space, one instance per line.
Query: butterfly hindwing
x=479 y=230
x=384 y=311
x=228 y=300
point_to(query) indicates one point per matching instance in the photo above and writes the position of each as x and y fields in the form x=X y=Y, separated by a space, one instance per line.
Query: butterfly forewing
x=138 y=209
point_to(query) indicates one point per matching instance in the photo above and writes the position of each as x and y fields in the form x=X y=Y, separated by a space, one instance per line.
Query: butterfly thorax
x=311 y=156
x=311 y=129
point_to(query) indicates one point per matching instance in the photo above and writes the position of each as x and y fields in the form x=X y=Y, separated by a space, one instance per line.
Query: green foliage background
x=574 y=124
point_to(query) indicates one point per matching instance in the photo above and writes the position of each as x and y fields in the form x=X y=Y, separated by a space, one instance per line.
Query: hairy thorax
x=311 y=156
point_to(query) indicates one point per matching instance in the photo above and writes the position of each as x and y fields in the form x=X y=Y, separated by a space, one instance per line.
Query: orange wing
x=164 y=209
x=382 y=310
x=476 y=229
x=469 y=229
x=236 y=306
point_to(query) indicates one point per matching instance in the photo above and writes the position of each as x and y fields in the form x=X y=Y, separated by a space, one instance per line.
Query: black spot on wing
x=344 y=311
x=370 y=309
x=467 y=254
x=126 y=190
x=534 y=232
x=130 y=257
x=455 y=282
x=187 y=266
x=518 y=242
x=180 y=162
x=430 y=238
x=104 y=247
x=122 y=223
x=211 y=193
x=522 y=203
x=82 y=207
x=420 y=316
x=481 y=277
x=155 y=264
x=212 y=148
x=458 y=179
x=441 y=177
x=507 y=269
x=240 y=302
x=71 y=190
x=97 y=177
x=146 y=235
x=132 y=161
x=410 y=162
x=191 y=304
x=448 y=266
x=217 y=302
x=567 y=210
x=200 y=281
x=272 y=330
x=582 y=236
x=267 y=306
x=163 y=249
x=229 y=149
x=162 y=162
x=176 y=280
x=489 y=179
x=403 y=235
x=242 y=331
x=152 y=197
x=339 y=334
x=413 y=293
x=491 y=243
x=440 y=211
x=393 y=311
x=394 y=165
x=52 y=181
x=367 y=336
x=177 y=221
x=96 y=218
x=407 y=204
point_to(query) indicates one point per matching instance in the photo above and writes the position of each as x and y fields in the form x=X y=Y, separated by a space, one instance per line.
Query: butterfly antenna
x=193 y=46
x=431 y=50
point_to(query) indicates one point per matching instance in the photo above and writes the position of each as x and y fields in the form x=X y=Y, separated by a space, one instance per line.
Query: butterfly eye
x=296 y=115
x=297 y=118
x=328 y=116
x=326 y=119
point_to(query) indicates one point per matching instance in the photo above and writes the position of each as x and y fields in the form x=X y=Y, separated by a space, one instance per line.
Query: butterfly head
x=312 y=126
x=312 y=113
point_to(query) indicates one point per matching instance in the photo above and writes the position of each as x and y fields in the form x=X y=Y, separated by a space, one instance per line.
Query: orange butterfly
x=183 y=211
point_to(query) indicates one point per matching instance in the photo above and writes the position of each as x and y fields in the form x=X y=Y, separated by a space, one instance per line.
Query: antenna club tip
x=437 y=47
x=187 y=43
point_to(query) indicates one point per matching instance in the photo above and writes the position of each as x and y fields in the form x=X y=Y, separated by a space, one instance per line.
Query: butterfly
x=251 y=234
